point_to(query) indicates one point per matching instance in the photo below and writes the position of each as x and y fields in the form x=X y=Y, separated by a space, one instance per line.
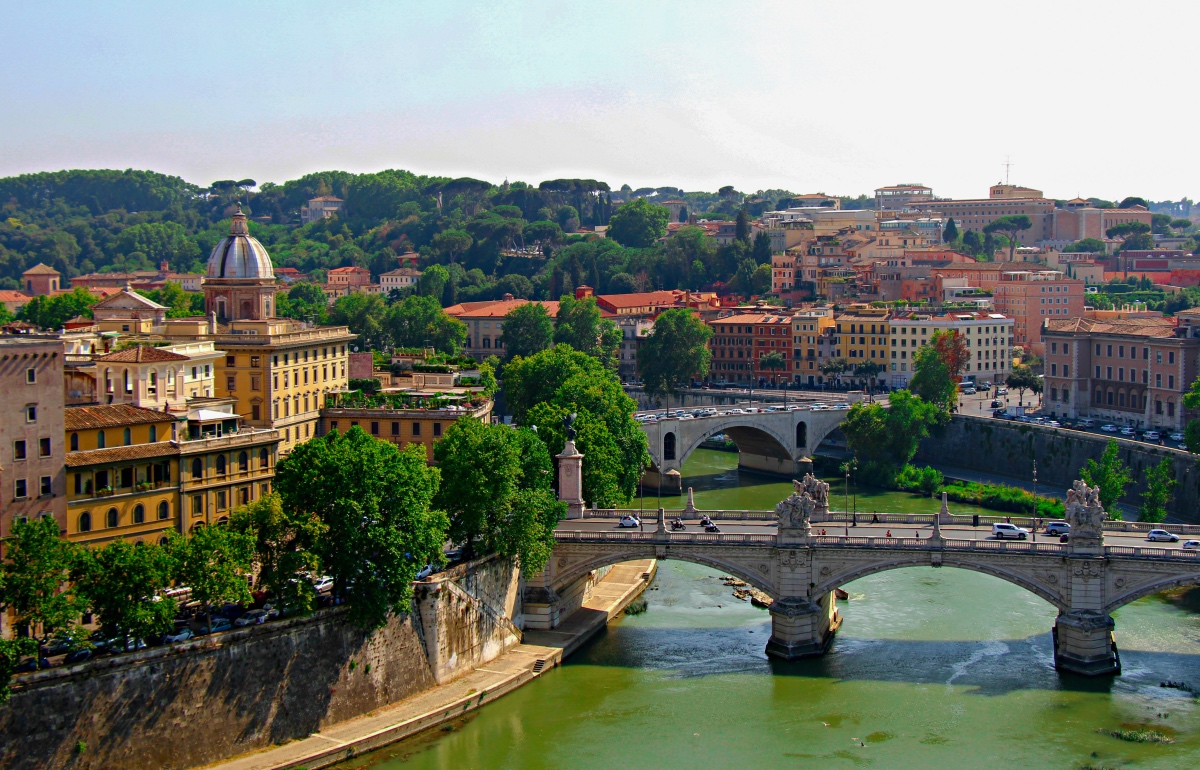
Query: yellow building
x=863 y=335
x=809 y=327
x=401 y=426
x=223 y=464
x=122 y=473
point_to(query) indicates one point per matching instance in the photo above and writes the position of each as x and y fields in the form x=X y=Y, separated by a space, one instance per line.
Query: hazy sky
x=837 y=97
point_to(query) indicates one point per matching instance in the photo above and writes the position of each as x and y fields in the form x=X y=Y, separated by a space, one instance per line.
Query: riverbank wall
x=198 y=702
x=1010 y=448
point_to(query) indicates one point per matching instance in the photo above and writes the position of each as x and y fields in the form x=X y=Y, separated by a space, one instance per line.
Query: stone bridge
x=1085 y=579
x=768 y=442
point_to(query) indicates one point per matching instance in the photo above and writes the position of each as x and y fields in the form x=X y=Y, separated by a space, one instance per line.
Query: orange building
x=1033 y=298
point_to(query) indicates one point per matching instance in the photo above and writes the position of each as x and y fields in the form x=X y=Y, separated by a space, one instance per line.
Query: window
x=31 y=413
x=1158 y=382
x=74 y=442
x=255 y=412
x=395 y=429
x=220 y=499
x=1170 y=409
x=1171 y=357
x=45 y=486
x=20 y=492
x=85 y=522
x=139 y=514
x=416 y=429
x=264 y=458
x=1109 y=350
x=79 y=483
x=437 y=429
x=18 y=450
x=230 y=362
x=255 y=362
x=255 y=382
x=1066 y=370
x=31 y=376
x=231 y=383
x=153 y=433
x=220 y=465
x=164 y=510
x=1170 y=382
x=197 y=468
x=112 y=518
x=127 y=477
x=243 y=462
x=128 y=437
x=197 y=505
x=374 y=429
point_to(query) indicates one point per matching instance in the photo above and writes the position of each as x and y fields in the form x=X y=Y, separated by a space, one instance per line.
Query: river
x=931 y=668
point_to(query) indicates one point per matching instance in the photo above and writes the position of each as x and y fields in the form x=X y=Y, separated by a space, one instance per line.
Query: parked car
x=178 y=635
x=997 y=404
x=1176 y=437
x=1191 y=545
x=1054 y=423
x=1001 y=391
x=251 y=618
x=841 y=406
x=425 y=572
x=1058 y=528
x=1152 y=435
x=1161 y=536
x=323 y=584
x=1009 y=532
x=79 y=656
x=969 y=391
x=629 y=521
x=1110 y=428
x=56 y=647
x=1087 y=423
x=1128 y=431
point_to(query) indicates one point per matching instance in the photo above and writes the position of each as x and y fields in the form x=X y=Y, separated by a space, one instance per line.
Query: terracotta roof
x=351 y=269
x=10 y=295
x=120 y=453
x=110 y=416
x=116 y=295
x=1134 y=327
x=40 y=269
x=142 y=354
x=402 y=271
x=753 y=318
x=495 y=308
x=641 y=299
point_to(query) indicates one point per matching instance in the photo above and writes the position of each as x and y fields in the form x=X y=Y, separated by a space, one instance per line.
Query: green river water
x=932 y=668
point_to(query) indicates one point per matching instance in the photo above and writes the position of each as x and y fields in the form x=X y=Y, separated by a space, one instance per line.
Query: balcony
x=243 y=437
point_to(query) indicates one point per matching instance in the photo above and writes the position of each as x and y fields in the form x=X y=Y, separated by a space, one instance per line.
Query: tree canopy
x=638 y=224
x=675 y=351
x=527 y=330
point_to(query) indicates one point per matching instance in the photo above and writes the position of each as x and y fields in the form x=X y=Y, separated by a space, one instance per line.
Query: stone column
x=802 y=628
x=690 y=509
x=1083 y=643
x=570 y=480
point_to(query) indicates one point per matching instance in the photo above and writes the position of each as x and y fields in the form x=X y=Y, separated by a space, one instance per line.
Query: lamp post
x=1035 y=500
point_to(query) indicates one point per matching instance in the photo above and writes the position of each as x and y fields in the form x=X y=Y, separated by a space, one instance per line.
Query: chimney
x=212 y=322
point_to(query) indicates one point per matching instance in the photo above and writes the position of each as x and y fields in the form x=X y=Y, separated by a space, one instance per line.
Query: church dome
x=238 y=255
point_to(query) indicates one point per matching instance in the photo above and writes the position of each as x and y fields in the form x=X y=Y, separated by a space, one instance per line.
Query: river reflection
x=931 y=668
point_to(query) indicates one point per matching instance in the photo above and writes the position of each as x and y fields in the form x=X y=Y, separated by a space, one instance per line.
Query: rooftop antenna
x=1007 y=167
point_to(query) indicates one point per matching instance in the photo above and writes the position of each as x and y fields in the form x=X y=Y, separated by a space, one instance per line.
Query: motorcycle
x=712 y=528
x=705 y=521
x=676 y=524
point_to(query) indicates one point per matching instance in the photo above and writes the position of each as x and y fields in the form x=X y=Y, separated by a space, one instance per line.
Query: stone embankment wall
x=1009 y=449
x=202 y=701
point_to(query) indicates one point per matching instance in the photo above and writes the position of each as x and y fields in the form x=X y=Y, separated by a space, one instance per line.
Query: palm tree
x=774 y=361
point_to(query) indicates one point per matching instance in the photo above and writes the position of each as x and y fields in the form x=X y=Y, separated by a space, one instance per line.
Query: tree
x=1010 y=226
x=972 y=243
x=834 y=367
x=1023 y=378
x=496 y=489
x=1110 y=475
x=1127 y=229
x=675 y=351
x=1086 y=246
x=432 y=282
x=527 y=330
x=869 y=370
x=35 y=587
x=303 y=301
x=374 y=499
x=773 y=360
x=741 y=226
x=760 y=279
x=543 y=389
x=215 y=562
x=1132 y=201
x=1160 y=483
x=950 y=234
x=579 y=325
x=887 y=439
x=762 y=249
x=452 y=243
x=285 y=543
x=419 y=321
x=365 y=315
x=938 y=366
x=52 y=312
x=122 y=585
x=638 y=224
x=1191 y=432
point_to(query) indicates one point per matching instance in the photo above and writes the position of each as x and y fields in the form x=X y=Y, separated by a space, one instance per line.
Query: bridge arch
x=1146 y=589
x=1019 y=577
x=743 y=571
x=750 y=437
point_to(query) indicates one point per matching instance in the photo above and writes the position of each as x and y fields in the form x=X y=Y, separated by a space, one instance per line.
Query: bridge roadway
x=1086 y=580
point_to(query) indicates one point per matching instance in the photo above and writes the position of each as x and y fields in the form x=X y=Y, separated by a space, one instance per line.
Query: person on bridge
x=889 y=533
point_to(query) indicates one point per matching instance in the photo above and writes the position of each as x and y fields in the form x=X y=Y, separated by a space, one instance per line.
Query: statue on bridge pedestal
x=810 y=496
x=1085 y=514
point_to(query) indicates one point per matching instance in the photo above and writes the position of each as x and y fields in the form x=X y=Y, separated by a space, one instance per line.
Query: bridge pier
x=802 y=628
x=1083 y=643
x=669 y=483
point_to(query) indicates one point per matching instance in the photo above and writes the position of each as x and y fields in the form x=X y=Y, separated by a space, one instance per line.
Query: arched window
x=220 y=465
x=197 y=468
x=128 y=437
x=112 y=517
x=101 y=440
x=139 y=514
x=223 y=521
x=801 y=435
x=164 y=510
x=85 y=522
x=669 y=446
x=264 y=458
x=243 y=462
x=74 y=442
x=164 y=540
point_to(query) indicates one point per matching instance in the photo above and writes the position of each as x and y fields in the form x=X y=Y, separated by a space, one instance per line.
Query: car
x=323 y=584
x=56 y=647
x=687 y=416
x=997 y=404
x=178 y=635
x=1161 y=536
x=32 y=664
x=968 y=391
x=1152 y=435
x=841 y=406
x=218 y=625
x=1086 y=423
x=1058 y=528
x=1109 y=428
x=251 y=618
x=1191 y=545
x=1054 y=423
x=1009 y=532
x=1001 y=391
x=629 y=521
x=818 y=405
x=999 y=414
x=1128 y=431
x=79 y=656
x=1176 y=437
x=425 y=572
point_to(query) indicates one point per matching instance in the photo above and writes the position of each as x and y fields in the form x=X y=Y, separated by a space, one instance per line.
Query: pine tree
x=950 y=235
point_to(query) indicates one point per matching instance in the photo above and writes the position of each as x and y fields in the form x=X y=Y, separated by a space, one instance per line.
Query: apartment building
x=740 y=341
x=989 y=339
x=810 y=329
x=901 y=196
x=399 y=279
x=1032 y=298
x=1128 y=371
x=977 y=213
x=31 y=423
x=862 y=335
x=401 y=426
x=320 y=208
x=485 y=324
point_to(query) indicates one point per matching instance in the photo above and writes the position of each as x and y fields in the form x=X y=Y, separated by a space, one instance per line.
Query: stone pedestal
x=801 y=628
x=1083 y=644
x=570 y=480
x=689 y=510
